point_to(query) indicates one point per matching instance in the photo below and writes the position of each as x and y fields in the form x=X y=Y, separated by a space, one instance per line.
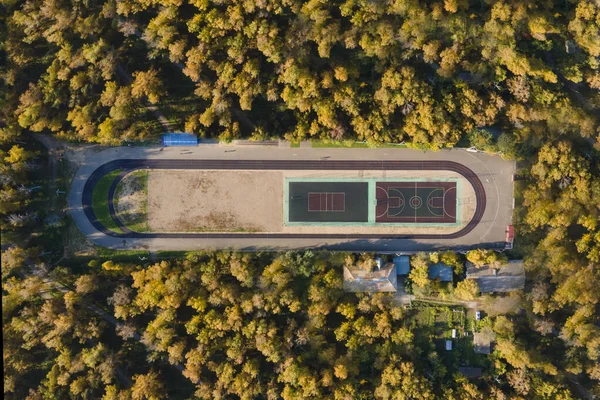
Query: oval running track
x=128 y=165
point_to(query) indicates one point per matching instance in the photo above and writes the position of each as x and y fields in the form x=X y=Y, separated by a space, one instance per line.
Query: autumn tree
x=467 y=289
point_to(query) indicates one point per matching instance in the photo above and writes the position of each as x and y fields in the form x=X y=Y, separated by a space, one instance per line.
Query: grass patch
x=79 y=263
x=294 y=144
x=137 y=221
x=354 y=144
x=100 y=201
x=105 y=252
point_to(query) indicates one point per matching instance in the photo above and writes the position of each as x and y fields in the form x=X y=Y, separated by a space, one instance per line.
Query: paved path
x=495 y=175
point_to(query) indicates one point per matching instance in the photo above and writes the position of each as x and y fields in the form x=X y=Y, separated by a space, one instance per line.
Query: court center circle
x=416 y=202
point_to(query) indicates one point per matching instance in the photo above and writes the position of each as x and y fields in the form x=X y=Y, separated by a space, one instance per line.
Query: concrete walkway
x=495 y=174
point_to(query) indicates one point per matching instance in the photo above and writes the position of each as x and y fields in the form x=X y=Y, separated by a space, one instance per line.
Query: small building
x=402 y=264
x=357 y=279
x=453 y=333
x=510 y=237
x=179 y=139
x=440 y=271
x=448 y=344
x=506 y=278
x=482 y=342
x=470 y=372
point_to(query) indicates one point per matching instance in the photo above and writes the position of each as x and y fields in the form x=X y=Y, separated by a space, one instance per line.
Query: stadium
x=325 y=202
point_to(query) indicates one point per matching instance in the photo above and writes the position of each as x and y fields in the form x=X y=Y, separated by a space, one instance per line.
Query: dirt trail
x=52 y=146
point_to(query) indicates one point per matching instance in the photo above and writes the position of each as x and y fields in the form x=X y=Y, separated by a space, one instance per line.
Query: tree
x=481 y=257
x=467 y=289
x=12 y=258
x=86 y=284
x=419 y=273
x=148 y=386
x=453 y=259
x=147 y=84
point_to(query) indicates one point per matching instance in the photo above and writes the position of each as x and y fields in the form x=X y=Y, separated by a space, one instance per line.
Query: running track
x=129 y=165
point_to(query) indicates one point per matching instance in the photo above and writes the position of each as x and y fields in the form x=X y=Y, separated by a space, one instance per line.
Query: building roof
x=379 y=280
x=470 y=372
x=482 y=341
x=402 y=264
x=508 y=278
x=179 y=139
x=441 y=271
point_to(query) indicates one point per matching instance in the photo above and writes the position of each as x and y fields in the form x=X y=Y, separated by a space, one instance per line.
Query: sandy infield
x=224 y=201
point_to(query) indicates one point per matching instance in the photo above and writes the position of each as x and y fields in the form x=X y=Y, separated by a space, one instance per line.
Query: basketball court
x=415 y=202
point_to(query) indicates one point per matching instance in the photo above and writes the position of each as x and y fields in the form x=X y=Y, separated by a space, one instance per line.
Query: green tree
x=419 y=273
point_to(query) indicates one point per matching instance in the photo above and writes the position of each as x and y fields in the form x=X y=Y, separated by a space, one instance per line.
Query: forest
x=518 y=78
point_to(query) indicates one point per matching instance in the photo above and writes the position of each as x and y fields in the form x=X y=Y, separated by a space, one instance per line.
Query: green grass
x=140 y=223
x=353 y=144
x=100 y=201
x=294 y=144
x=110 y=254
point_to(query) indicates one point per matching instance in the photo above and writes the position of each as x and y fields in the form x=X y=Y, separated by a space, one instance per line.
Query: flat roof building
x=506 y=278
x=482 y=341
x=179 y=139
x=440 y=271
x=470 y=372
x=402 y=264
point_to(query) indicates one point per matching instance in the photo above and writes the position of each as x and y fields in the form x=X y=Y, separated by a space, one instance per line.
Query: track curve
x=128 y=165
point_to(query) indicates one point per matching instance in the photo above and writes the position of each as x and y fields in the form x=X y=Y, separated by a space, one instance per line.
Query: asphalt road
x=487 y=228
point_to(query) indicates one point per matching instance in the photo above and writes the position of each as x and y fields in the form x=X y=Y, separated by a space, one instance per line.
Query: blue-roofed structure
x=179 y=139
x=440 y=271
x=402 y=264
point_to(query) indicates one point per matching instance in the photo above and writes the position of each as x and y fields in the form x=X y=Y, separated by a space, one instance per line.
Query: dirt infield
x=223 y=201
